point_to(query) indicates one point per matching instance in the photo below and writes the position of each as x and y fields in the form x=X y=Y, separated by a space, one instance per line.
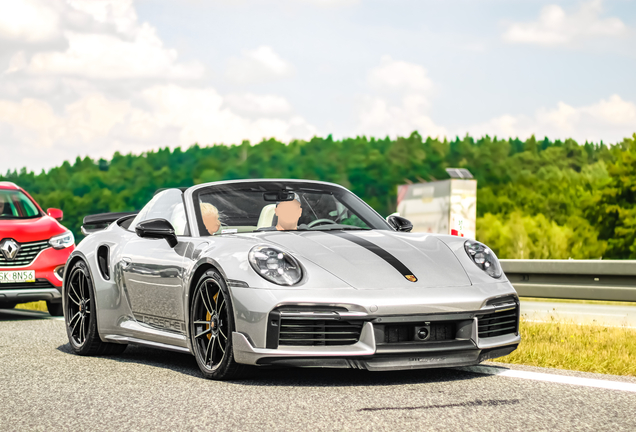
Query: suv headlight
x=483 y=257
x=275 y=265
x=62 y=241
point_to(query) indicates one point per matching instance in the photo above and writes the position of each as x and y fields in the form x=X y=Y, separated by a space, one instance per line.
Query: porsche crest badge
x=411 y=278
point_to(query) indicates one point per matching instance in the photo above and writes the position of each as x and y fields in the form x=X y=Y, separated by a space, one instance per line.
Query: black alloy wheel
x=80 y=317
x=79 y=306
x=211 y=327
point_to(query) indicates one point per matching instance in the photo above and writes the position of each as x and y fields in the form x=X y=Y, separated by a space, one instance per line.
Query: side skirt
x=135 y=341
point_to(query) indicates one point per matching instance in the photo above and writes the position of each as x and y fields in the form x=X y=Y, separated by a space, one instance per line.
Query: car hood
x=30 y=230
x=377 y=259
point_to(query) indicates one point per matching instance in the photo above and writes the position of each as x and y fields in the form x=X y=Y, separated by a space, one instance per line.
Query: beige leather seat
x=267 y=216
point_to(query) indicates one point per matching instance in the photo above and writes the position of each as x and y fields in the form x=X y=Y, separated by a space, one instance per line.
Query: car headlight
x=483 y=257
x=62 y=241
x=275 y=265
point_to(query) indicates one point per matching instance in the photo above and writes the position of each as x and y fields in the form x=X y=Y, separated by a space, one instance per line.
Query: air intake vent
x=102 y=261
x=317 y=332
x=499 y=323
x=26 y=254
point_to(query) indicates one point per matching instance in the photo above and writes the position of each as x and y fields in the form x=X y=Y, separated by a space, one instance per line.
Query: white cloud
x=402 y=101
x=377 y=117
x=555 y=27
x=252 y=104
x=95 y=125
x=399 y=76
x=90 y=94
x=609 y=120
x=28 y=21
x=332 y=3
x=37 y=125
x=257 y=66
x=104 y=41
x=120 y=13
x=200 y=116
x=104 y=56
x=402 y=104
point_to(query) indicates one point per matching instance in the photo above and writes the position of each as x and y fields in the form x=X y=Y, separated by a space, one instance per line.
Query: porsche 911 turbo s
x=287 y=273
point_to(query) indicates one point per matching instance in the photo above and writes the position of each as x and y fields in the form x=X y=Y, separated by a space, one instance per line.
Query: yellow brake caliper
x=208 y=317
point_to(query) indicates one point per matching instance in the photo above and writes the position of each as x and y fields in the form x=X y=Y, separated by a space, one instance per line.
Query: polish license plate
x=17 y=276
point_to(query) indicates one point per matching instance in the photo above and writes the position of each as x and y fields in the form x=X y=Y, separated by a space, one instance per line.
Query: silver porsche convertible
x=284 y=273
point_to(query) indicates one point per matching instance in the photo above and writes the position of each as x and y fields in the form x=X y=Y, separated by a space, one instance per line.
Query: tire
x=80 y=317
x=55 y=309
x=211 y=327
x=7 y=305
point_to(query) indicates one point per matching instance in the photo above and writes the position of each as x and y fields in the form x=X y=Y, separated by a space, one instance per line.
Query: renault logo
x=9 y=249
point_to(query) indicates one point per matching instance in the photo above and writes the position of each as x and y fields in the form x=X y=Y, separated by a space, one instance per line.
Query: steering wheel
x=320 y=222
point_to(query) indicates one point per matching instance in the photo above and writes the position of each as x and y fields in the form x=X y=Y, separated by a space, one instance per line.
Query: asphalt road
x=581 y=313
x=44 y=387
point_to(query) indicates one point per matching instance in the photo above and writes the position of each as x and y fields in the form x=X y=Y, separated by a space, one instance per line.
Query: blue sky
x=90 y=77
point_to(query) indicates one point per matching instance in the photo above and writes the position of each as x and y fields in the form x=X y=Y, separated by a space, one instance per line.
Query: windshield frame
x=192 y=196
x=39 y=211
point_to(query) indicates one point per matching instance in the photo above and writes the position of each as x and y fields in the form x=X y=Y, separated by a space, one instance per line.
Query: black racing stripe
x=372 y=247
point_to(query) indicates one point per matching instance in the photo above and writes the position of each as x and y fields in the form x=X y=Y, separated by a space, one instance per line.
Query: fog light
x=59 y=272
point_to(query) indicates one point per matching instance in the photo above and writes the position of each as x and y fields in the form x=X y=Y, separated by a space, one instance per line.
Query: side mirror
x=56 y=214
x=157 y=229
x=399 y=223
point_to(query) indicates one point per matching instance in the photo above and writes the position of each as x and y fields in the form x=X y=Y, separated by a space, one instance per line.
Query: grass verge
x=585 y=348
x=37 y=306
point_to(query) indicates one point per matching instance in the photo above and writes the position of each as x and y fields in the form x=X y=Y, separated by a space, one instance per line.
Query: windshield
x=280 y=206
x=14 y=204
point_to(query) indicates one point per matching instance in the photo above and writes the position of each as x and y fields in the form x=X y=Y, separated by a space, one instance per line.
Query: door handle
x=126 y=262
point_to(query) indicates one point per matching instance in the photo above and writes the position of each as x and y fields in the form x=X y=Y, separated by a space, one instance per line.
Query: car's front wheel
x=80 y=317
x=211 y=327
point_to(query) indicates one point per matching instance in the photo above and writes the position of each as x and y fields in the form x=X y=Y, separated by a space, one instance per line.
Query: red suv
x=34 y=248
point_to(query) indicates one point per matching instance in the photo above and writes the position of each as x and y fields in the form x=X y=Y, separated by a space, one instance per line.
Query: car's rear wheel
x=55 y=309
x=211 y=327
x=80 y=317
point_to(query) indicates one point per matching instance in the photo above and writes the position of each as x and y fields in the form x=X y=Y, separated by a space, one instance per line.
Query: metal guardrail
x=573 y=279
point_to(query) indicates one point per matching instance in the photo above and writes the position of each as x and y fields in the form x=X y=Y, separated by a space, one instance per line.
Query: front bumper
x=472 y=339
x=29 y=295
x=48 y=284
x=366 y=354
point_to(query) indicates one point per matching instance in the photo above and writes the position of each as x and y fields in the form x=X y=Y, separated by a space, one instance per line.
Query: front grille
x=498 y=323
x=39 y=283
x=26 y=254
x=438 y=331
x=317 y=332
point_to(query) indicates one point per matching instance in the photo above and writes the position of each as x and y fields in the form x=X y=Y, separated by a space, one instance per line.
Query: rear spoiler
x=98 y=222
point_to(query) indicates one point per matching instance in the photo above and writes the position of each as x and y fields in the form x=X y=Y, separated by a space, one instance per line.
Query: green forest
x=536 y=198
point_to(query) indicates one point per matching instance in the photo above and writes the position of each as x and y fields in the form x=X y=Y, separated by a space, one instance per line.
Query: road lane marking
x=560 y=379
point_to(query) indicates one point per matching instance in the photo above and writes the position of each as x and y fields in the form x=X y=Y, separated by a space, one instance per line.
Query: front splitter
x=390 y=363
